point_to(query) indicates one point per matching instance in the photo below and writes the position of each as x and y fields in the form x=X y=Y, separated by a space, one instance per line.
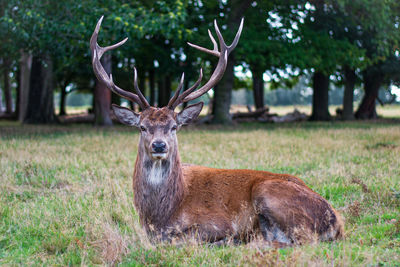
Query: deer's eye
x=174 y=128
x=142 y=128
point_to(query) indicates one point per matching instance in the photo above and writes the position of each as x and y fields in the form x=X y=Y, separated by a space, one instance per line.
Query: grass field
x=66 y=196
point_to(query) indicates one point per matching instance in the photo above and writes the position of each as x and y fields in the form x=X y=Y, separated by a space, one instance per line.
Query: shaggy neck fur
x=158 y=187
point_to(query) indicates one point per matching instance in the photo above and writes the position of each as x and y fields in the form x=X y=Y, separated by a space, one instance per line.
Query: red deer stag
x=175 y=199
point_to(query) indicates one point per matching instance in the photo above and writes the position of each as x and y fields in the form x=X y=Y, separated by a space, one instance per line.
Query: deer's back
x=232 y=199
x=225 y=190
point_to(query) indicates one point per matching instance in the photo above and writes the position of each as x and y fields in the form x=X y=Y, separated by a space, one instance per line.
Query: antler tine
x=221 y=40
x=95 y=46
x=187 y=91
x=101 y=74
x=236 y=40
x=222 y=61
x=177 y=92
x=213 y=52
x=213 y=40
x=138 y=92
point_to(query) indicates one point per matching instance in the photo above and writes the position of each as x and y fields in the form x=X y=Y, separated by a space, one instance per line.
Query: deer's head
x=158 y=126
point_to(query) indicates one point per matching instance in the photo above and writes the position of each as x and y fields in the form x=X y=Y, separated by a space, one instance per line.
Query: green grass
x=66 y=195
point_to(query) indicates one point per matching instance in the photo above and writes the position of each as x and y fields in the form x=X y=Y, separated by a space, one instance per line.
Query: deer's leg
x=292 y=213
x=212 y=230
x=271 y=231
x=205 y=226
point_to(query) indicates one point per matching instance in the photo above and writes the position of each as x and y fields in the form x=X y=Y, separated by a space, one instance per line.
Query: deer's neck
x=158 y=188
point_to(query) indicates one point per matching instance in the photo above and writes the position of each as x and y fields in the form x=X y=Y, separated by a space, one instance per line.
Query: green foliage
x=37 y=23
x=63 y=29
x=261 y=46
x=285 y=38
x=327 y=35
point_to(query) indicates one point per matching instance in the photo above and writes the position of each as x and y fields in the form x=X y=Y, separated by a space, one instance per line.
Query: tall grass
x=66 y=194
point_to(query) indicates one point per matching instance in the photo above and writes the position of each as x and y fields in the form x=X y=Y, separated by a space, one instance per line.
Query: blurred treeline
x=301 y=44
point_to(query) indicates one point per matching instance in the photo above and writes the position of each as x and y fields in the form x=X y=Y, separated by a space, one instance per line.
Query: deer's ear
x=126 y=116
x=189 y=114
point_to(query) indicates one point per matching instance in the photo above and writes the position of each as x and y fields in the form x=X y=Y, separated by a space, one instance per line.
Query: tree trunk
x=210 y=106
x=372 y=82
x=223 y=95
x=17 y=91
x=258 y=89
x=1 y=101
x=152 y=87
x=320 y=105
x=102 y=97
x=116 y=99
x=40 y=108
x=348 y=96
x=164 y=91
x=63 y=96
x=7 y=85
x=223 y=91
x=91 y=110
x=24 y=84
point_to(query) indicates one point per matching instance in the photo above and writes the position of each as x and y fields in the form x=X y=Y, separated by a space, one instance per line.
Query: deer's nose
x=159 y=147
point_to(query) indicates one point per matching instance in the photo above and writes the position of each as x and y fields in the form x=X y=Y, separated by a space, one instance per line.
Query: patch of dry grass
x=66 y=193
x=387 y=111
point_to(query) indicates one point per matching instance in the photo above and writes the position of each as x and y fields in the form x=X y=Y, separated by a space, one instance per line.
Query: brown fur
x=213 y=204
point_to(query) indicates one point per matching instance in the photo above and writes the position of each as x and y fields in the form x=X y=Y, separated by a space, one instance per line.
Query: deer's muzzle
x=159 y=149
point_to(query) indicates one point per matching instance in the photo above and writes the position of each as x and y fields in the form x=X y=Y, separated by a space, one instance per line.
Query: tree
x=30 y=29
x=260 y=47
x=40 y=108
x=350 y=78
x=25 y=74
x=325 y=38
x=374 y=77
x=369 y=26
x=314 y=46
x=34 y=25
x=325 y=53
x=223 y=91
x=228 y=14
x=7 y=85
x=7 y=54
x=379 y=35
x=102 y=96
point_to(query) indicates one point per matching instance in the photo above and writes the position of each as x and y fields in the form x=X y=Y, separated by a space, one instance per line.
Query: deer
x=178 y=200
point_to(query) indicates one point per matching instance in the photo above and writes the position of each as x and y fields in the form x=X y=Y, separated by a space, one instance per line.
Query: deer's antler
x=219 y=70
x=102 y=76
